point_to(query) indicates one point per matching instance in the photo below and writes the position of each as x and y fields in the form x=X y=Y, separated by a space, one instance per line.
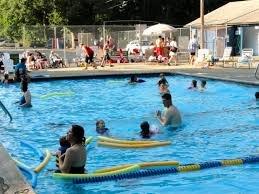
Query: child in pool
x=203 y=85
x=6 y=78
x=134 y=79
x=147 y=131
x=257 y=96
x=193 y=85
x=64 y=145
x=101 y=129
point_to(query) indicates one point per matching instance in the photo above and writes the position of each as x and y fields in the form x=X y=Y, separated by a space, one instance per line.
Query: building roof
x=233 y=13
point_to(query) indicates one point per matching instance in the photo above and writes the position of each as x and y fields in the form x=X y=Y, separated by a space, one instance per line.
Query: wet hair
x=133 y=78
x=23 y=60
x=145 y=133
x=166 y=96
x=194 y=83
x=97 y=123
x=257 y=95
x=78 y=133
x=162 y=81
x=203 y=83
x=63 y=142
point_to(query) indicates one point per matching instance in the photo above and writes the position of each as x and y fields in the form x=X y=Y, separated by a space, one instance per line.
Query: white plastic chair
x=246 y=58
x=8 y=63
x=202 y=56
x=227 y=56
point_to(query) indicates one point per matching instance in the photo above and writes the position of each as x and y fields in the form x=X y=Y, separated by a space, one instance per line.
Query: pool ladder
x=257 y=72
x=6 y=111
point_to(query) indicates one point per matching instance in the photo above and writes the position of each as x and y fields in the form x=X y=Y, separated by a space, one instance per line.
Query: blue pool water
x=220 y=123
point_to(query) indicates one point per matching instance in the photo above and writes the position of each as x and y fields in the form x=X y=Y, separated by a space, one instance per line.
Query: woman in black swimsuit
x=73 y=161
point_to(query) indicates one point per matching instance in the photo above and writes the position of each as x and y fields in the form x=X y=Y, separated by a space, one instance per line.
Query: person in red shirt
x=88 y=52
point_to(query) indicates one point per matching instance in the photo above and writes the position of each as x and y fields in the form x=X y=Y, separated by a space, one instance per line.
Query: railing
x=6 y=111
x=256 y=72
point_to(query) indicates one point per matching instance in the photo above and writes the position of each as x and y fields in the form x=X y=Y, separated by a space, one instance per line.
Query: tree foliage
x=17 y=13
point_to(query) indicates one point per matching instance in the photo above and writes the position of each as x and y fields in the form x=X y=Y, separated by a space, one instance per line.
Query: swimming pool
x=221 y=123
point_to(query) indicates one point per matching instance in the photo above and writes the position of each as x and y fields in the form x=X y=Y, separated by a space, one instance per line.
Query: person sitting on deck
x=55 y=60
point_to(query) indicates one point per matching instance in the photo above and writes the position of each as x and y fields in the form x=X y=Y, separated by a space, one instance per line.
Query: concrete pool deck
x=11 y=180
x=240 y=75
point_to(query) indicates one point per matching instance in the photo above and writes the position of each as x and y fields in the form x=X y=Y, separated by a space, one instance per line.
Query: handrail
x=6 y=111
x=257 y=71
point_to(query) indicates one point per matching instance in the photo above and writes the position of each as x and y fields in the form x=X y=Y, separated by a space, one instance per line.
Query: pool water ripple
x=220 y=123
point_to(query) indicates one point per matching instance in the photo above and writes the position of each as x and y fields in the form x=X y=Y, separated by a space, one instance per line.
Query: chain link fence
x=65 y=40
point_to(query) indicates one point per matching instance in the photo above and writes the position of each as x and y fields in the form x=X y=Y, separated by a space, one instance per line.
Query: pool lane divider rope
x=168 y=170
x=118 y=143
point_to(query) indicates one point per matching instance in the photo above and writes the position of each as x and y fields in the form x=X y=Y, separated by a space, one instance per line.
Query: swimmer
x=134 y=79
x=203 y=85
x=101 y=129
x=193 y=85
x=163 y=89
x=257 y=96
x=171 y=116
x=64 y=145
x=6 y=78
x=162 y=80
x=147 y=131
x=26 y=98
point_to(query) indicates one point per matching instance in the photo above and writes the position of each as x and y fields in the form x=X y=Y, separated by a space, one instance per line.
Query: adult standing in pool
x=171 y=116
x=25 y=100
x=74 y=160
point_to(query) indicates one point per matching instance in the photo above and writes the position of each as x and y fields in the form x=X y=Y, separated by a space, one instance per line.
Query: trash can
x=15 y=58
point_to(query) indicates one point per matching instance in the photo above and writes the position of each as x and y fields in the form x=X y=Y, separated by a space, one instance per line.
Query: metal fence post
x=64 y=49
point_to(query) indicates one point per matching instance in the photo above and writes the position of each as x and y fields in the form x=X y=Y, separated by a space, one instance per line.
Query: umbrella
x=158 y=29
